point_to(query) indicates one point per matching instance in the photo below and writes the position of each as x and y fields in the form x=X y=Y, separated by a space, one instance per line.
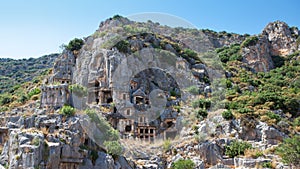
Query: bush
x=109 y=133
x=78 y=90
x=278 y=61
x=296 y=121
x=167 y=145
x=267 y=165
x=74 y=44
x=202 y=113
x=230 y=53
x=183 y=164
x=272 y=115
x=201 y=103
x=123 y=46
x=34 y=91
x=67 y=110
x=113 y=148
x=5 y=99
x=23 y=98
x=250 y=41
x=194 y=90
x=289 y=150
x=227 y=114
x=236 y=148
x=117 y=17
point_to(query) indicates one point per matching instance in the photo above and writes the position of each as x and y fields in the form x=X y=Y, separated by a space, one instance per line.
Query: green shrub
x=230 y=53
x=22 y=99
x=227 y=114
x=5 y=99
x=289 y=150
x=94 y=155
x=278 y=61
x=188 y=53
x=194 y=90
x=202 y=113
x=183 y=164
x=35 y=141
x=74 y=44
x=113 y=148
x=109 y=133
x=236 y=148
x=250 y=41
x=115 y=17
x=267 y=164
x=201 y=103
x=123 y=46
x=67 y=110
x=167 y=145
x=272 y=115
x=78 y=90
x=296 y=121
x=34 y=91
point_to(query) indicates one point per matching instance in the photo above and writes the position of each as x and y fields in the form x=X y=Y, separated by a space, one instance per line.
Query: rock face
x=282 y=38
x=277 y=39
x=259 y=56
x=52 y=142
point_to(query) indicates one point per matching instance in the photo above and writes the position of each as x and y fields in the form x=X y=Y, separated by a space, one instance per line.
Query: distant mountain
x=13 y=72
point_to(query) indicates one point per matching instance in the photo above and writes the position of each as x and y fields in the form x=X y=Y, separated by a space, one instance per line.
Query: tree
x=183 y=164
x=67 y=110
x=75 y=44
x=289 y=150
x=113 y=148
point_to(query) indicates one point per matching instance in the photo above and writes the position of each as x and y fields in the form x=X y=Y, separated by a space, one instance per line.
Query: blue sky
x=33 y=28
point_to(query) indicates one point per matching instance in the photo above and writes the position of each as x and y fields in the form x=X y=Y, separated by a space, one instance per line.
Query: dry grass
x=45 y=131
x=253 y=153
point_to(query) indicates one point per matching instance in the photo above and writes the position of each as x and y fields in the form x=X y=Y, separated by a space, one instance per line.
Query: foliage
x=236 y=148
x=194 y=90
x=33 y=92
x=278 y=61
x=188 y=53
x=14 y=73
x=74 y=44
x=183 y=164
x=201 y=103
x=109 y=133
x=78 y=90
x=250 y=41
x=35 y=141
x=289 y=150
x=230 y=53
x=67 y=110
x=267 y=164
x=123 y=46
x=254 y=153
x=167 y=145
x=5 y=99
x=296 y=121
x=202 y=113
x=113 y=148
x=94 y=155
x=272 y=115
x=227 y=114
x=117 y=17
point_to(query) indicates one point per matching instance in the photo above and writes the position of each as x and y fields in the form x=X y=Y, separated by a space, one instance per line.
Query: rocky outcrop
x=282 y=38
x=52 y=142
x=258 y=56
x=277 y=39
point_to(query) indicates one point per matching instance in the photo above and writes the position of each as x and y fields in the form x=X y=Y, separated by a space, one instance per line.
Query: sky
x=34 y=28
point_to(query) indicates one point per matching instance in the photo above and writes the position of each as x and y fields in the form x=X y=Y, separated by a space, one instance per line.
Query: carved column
x=56 y=95
x=43 y=97
x=63 y=96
